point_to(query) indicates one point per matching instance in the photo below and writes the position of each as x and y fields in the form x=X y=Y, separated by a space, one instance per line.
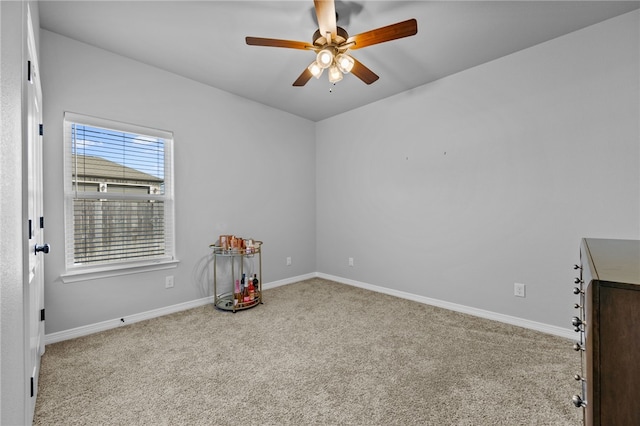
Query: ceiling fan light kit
x=338 y=64
x=331 y=44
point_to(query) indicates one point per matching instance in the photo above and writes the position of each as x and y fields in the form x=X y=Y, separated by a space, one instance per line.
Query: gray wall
x=240 y=168
x=460 y=188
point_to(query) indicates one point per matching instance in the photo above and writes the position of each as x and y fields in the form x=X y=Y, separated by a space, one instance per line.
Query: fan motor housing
x=321 y=41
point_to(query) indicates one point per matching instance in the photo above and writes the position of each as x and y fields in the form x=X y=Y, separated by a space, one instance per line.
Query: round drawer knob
x=578 y=401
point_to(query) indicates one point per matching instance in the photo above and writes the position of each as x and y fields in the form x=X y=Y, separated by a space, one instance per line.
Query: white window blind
x=118 y=193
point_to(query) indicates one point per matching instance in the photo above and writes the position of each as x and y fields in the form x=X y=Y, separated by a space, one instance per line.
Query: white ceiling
x=204 y=41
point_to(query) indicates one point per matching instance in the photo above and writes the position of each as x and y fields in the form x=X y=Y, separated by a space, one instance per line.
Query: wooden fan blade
x=274 y=42
x=326 y=13
x=362 y=72
x=382 y=34
x=304 y=77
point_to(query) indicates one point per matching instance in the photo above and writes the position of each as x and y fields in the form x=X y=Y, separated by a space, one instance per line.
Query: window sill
x=115 y=271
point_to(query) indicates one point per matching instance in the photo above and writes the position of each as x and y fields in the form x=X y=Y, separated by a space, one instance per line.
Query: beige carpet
x=316 y=353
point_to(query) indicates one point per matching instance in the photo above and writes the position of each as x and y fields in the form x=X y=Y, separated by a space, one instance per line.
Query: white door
x=34 y=294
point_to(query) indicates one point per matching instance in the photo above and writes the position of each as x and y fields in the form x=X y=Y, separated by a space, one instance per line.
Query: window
x=118 y=194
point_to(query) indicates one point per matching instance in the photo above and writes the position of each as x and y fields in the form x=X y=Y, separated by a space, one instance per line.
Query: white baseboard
x=520 y=322
x=273 y=284
x=119 y=322
x=85 y=330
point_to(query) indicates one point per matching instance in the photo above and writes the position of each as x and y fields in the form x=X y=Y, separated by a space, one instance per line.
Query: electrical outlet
x=288 y=261
x=351 y=261
x=519 y=290
x=168 y=281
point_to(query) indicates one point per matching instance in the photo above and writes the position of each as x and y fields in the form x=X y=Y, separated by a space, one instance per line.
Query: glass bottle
x=252 y=291
x=236 y=293
x=255 y=285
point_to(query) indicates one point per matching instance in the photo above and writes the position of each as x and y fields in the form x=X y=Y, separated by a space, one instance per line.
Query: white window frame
x=78 y=272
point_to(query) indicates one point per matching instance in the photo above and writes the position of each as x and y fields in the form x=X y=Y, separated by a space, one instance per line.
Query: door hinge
x=30 y=229
x=42 y=314
x=41 y=222
x=41 y=129
x=28 y=70
x=32 y=387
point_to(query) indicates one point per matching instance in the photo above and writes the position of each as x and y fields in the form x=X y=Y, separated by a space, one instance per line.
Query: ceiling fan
x=331 y=43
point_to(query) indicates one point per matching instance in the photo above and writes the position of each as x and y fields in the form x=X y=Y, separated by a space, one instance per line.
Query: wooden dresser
x=608 y=324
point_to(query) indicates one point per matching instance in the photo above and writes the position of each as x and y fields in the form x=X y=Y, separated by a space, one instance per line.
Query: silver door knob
x=43 y=248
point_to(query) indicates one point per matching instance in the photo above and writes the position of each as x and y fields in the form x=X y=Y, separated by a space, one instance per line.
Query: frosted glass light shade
x=345 y=62
x=334 y=74
x=324 y=58
x=315 y=69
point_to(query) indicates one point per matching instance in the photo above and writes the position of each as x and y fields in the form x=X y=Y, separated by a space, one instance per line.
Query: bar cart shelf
x=227 y=301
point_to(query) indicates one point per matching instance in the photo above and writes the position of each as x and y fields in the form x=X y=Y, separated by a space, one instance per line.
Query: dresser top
x=614 y=260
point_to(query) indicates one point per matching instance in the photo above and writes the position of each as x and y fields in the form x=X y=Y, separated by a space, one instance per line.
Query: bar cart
x=237 y=299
